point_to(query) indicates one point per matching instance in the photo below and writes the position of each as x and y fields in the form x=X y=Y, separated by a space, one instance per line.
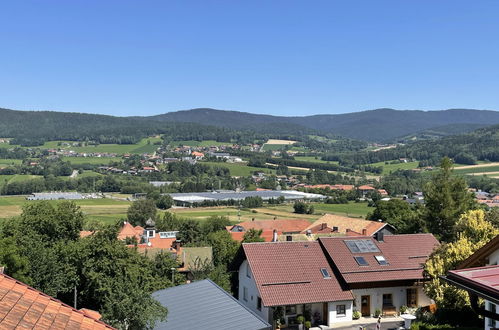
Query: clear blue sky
x=277 y=57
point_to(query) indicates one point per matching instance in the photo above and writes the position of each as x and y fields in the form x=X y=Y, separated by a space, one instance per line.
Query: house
x=268 y=228
x=25 y=307
x=197 y=155
x=204 y=305
x=286 y=279
x=384 y=273
x=365 y=189
x=331 y=223
x=326 y=280
x=479 y=275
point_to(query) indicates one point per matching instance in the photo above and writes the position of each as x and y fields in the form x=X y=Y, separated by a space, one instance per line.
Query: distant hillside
x=383 y=125
x=441 y=131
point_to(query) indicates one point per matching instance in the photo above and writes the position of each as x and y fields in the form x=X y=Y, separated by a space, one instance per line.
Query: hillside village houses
x=326 y=280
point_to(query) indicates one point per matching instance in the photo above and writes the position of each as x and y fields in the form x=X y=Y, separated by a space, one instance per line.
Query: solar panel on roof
x=361 y=246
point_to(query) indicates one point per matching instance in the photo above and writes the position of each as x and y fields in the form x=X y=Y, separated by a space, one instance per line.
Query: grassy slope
x=206 y=143
x=387 y=168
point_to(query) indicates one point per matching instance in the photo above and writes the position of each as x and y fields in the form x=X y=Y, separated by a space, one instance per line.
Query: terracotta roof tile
x=405 y=255
x=288 y=273
x=344 y=223
x=281 y=225
x=24 y=307
x=130 y=231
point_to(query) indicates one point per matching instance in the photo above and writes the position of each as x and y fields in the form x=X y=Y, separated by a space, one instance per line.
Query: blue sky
x=276 y=57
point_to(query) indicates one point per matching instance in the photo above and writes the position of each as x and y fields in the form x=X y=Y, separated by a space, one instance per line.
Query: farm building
x=187 y=199
x=54 y=196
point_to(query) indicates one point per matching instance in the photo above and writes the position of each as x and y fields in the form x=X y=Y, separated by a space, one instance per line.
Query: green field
x=477 y=170
x=314 y=160
x=351 y=209
x=276 y=147
x=91 y=160
x=387 y=168
x=7 y=162
x=144 y=146
x=239 y=169
x=16 y=178
x=206 y=143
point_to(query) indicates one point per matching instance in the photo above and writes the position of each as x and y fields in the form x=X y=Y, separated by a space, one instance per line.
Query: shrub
x=403 y=309
x=377 y=312
x=356 y=315
x=300 y=319
x=308 y=324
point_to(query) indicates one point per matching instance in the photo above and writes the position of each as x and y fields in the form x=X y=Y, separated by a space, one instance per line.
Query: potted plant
x=377 y=312
x=403 y=309
x=356 y=315
x=308 y=324
x=300 y=319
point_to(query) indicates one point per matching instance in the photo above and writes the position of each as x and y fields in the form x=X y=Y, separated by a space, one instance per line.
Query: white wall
x=399 y=297
x=333 y=318
x=249 y=284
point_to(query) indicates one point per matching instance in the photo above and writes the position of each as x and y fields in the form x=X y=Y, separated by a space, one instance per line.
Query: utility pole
x=75 y=296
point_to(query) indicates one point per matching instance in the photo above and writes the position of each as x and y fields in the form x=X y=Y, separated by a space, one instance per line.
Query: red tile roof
x=267 y=235
x=24 y=307
x=288 y=273
x=344 y=223
x=284 y=225
x=405 y=255
x=130 y=231
x=484 y=280
x=366 y=187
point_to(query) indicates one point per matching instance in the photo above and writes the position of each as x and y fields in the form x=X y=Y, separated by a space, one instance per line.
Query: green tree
x=474 y=232
x=253 y=235
x=168 y=222
x=215 y=223
x=140 y=211
x=224 y=247
x=164 y=202
x=446 y=198
x=15 y=264
x=189 y=232
x=399 y=214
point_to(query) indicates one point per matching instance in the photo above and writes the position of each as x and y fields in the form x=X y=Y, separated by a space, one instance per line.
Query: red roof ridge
x=40 y=293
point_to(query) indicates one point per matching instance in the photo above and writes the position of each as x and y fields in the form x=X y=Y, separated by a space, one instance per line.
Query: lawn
x=274 y=147
x=387 y=168
x=239 y=169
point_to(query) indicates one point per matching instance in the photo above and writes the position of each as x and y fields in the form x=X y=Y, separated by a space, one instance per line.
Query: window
x=245 y=293
x=412 y=297
x=340 y=310
x=291 y=310
x=381 y=260
x=325 y=273
x=361 y=261
x=289 y=238
x=387 y=300
x=248 y=270
x=492 y=308
x=259 y=303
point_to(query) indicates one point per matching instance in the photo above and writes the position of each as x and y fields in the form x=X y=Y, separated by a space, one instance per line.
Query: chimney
x=274 y=235
x=2 y=269
x=364 y=232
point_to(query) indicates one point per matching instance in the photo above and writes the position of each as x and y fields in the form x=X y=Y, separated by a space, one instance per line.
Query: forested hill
x=32 y=128
x=468 y=148
x=384 y=125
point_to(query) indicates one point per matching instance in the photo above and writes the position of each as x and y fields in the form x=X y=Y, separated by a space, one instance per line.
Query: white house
x=326 y=280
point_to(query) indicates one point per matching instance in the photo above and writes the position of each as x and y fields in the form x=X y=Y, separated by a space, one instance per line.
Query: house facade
x=327 y=280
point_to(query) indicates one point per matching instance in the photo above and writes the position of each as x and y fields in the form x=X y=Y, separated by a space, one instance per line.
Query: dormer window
x=325 y=273
x=381 y=260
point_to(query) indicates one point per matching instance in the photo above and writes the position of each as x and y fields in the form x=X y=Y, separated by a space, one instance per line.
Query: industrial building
x=188 y=199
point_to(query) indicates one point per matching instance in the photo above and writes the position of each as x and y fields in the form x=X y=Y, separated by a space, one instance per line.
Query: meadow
x=205 y=143
x=239 y=169
x=387 y=168
x=91 y=160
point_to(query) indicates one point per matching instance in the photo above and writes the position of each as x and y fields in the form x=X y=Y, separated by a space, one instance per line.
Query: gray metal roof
x=204 y=305
x=227 y=195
